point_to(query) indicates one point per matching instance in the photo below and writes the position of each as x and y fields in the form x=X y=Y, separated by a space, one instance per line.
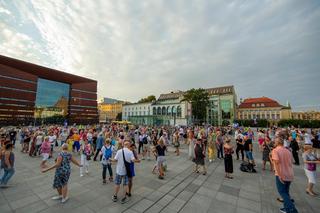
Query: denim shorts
x=119 y=179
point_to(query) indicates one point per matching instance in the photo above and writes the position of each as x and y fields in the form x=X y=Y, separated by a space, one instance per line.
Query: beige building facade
x=263 y=108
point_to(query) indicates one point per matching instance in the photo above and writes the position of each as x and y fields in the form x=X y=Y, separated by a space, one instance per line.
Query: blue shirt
x=100 y=141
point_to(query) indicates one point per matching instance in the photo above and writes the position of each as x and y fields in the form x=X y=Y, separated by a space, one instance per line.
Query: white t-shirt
x=52 y=138
x=128 y=154
x=307 y=139
x=89 y=136
x=39 y=140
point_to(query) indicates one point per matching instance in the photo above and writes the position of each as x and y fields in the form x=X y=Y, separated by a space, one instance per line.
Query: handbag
x=311 y=167
x=127 y=165
x=88 y=157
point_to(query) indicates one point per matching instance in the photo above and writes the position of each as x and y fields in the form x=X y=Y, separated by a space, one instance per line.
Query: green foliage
x=299 y=123
x=281 y=123
x=199 y=99
x=150 y=98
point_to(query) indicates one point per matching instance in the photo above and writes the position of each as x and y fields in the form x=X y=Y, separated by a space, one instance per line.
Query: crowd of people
x=125 y=145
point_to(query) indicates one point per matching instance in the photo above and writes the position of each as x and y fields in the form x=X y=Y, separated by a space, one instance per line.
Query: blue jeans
x=283 y=189
x=8 y=173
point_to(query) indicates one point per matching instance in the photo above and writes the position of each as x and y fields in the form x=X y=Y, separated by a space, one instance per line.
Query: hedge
x=281 y=123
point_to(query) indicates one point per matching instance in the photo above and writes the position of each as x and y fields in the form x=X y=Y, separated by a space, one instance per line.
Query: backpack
x=145 y=140
x=247 y=167
x=108 y=153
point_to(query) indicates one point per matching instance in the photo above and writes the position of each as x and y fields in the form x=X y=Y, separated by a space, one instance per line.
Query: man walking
x=282 y=160
x=123 y=157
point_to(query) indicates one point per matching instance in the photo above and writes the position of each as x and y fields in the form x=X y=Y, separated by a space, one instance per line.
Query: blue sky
x=136 y=48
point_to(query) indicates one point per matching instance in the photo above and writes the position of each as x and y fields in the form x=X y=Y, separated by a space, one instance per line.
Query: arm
x=73 y=160
x=7 y=160
x=309 y=161
x=57 y=164
x=277 y=168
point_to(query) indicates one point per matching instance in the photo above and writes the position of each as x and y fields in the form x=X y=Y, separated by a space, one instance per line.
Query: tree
x=119 y=116
x=150 y=98
x=199 y=99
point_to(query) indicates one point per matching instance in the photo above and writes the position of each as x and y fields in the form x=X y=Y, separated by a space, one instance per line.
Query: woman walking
x=45 y=151
x=176 y=142
x=62 y=173
x=190 y=143
x=199 y=153
x=159 y=151
x=85 y=151
x=228 y=163
x=7 y=163
x=310 y=163
x=211 y=145
x=266 y=150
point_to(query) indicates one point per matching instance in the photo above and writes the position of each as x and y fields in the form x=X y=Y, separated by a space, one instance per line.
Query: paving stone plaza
x=180 y=191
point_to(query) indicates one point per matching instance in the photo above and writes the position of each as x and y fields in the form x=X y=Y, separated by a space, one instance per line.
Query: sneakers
x=87 y=171
x=63 y=200
x=128 y=194
x=114 y=198
x=58 y=197
x=124 y=200
x=81 y=175
x=161 y=177
x=104 y=181
x=282 y=210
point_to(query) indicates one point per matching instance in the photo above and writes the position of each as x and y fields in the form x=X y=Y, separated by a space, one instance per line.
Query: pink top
x=284 y=157
x=46 y=147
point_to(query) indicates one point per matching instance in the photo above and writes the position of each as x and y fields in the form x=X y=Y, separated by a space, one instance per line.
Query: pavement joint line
x=193 y=178
x=216 y=166
x=188 y=168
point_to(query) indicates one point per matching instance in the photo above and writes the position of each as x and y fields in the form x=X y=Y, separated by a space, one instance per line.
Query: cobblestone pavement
x=180 y=191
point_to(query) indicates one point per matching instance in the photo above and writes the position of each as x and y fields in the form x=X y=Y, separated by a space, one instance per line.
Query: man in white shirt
x=122 y=171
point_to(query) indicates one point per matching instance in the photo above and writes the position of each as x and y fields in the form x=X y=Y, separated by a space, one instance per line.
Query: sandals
x=311 y=194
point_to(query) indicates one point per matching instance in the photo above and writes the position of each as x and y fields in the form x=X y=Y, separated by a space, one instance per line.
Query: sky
x=138 y=48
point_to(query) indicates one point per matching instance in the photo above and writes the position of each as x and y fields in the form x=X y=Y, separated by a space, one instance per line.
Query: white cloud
x=136 y=48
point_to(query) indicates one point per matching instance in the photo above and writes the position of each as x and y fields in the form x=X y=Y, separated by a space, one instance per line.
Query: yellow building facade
x=308 y=115
x=109 y=112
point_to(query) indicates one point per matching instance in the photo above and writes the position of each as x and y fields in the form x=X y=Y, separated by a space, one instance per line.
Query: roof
x=43 y=72
x=211 y=91
x=259 y=102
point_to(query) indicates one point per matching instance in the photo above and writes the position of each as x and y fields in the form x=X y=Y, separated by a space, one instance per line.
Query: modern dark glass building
x=31 y=93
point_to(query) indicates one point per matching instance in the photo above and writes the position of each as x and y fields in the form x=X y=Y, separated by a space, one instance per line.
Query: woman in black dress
x=228 y=164
x=199 y=153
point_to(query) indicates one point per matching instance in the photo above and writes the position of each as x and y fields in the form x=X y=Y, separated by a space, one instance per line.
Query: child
x=45 y=151
x=106 y=152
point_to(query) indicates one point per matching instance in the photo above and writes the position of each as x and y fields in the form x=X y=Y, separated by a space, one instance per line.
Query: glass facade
x=52 y=99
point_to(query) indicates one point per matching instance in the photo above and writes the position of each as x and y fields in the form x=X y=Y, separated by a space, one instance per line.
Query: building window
x=52 y=98
x=159 y=111
x=168 y=110
x=154 y=110
x=262 y=105
x=253 y=105
x=164 y=111
x=179 y=111
x=173 y=111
